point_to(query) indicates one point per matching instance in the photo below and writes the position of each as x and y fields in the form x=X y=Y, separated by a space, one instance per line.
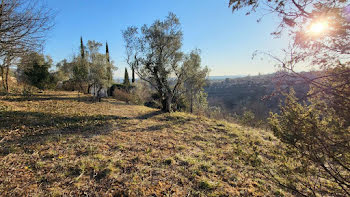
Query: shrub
x=122 y=95
x=122 y=87
x=318 y=140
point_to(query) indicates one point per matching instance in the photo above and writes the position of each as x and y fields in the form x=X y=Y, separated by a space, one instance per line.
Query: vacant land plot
x=56 y=144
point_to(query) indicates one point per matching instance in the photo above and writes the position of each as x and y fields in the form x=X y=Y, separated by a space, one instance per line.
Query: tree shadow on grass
x=166 y=121
x=149 y=115
x=86 y=99
x=20 y=127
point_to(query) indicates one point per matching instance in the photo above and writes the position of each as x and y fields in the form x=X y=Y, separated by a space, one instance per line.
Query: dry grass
x=54 y=145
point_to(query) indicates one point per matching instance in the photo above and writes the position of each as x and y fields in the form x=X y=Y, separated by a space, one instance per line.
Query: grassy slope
x=54 y=145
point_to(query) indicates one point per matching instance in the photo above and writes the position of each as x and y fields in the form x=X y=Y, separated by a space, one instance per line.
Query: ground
x=59 y=144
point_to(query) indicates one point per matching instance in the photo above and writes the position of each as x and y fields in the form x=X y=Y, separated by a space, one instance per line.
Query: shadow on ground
x=87 y=99
x=19 y=127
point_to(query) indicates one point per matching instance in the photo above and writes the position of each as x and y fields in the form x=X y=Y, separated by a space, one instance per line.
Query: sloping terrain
x=55 y=144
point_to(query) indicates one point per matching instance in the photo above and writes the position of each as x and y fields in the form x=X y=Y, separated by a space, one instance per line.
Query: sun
x=318 y=28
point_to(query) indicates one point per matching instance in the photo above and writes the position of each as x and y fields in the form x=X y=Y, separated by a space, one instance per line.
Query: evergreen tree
x=133 y=69
x=35 y=68
x=126 y=78
x=109 y=66
x=107 y=52
x=80 y=68
x=133 y=75
x=82 y=51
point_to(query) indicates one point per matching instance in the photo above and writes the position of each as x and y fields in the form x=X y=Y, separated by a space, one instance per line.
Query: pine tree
x=126 y=78
x=109 y=66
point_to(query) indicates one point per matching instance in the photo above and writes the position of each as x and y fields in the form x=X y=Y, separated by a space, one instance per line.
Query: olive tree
x=195 y=80
x=157 y=57
x=100 y=68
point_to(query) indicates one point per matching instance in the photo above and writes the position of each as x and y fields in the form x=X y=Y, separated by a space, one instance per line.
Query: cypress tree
x=133 y=75
x=109 y=66
x=107 y=52
x=133 y=71
x=82 y=51
x=126 y=78
x=81 y=70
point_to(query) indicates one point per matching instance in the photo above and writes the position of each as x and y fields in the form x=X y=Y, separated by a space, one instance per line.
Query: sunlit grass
x=54 y=144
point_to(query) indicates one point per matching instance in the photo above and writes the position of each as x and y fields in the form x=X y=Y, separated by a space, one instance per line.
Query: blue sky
x=227 y=40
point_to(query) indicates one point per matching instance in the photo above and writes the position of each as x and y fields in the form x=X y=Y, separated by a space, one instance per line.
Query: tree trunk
x=89 y=87
x=7 y=78
x=166 y=104
x=98 y=94
x=3 y=78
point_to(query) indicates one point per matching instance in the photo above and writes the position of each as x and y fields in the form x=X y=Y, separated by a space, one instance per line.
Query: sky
x=227 y=40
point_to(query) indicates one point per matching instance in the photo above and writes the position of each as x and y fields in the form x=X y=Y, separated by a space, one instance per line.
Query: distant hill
x=225 y=77
x=254 y=93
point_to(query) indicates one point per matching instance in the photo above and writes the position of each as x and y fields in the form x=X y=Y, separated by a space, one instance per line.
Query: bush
x=122 y=87
x=318 y=139
x=122 y=95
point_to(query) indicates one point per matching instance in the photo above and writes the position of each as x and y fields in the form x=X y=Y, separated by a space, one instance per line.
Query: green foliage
x=120 y=87
x=247 y=118
x=126 y=81
x=64 y=70
x=109 y=68
x=80 y=72
x=319 y=137
x=195 y=80
x=80 y=68
x=35 y=69
x=90 y=69
x=317 y=132
x=156 y=57
x=82 y=48
x=133 y=75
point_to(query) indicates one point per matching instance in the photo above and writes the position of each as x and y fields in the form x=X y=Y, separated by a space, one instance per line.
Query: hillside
x=51 y=144
x=254 y=93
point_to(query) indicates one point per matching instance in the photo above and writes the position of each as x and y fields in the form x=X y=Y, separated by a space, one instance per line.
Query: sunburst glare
x=318 y=28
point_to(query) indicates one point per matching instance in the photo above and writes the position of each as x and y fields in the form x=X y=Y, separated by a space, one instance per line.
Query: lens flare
x=318 y=28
